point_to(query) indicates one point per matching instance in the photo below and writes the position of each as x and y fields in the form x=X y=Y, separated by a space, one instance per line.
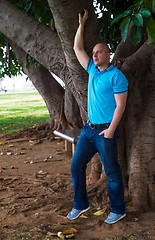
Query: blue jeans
x=89 y=143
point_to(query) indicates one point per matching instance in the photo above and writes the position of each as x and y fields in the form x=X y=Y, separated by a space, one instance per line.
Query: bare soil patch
x=36 y=194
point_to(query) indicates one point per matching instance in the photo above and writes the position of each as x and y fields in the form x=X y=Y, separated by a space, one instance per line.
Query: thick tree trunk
x=136 y=145
x=47 y=86
x=139 y=127
x=64 y=13
x=71 y=110
x=44 y=45
x=137 y=130
x=64 y=112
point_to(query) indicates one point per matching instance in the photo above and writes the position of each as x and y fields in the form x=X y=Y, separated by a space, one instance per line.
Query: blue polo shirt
x=102 y=86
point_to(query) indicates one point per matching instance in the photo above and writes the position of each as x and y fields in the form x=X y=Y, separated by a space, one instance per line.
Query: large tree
x=44 y=36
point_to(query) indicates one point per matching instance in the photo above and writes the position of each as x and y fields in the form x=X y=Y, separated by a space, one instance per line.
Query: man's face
x=101 y=55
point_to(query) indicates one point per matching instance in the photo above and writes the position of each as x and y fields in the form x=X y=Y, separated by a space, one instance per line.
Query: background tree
x=43 y=33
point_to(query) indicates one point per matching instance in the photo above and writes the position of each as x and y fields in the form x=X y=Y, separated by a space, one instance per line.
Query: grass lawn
x=21 y=110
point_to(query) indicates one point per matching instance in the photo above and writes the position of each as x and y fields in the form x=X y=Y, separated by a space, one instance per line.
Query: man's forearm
x=116 y=118
x=120 y=107
x=81 y=55
x=108 y=133
x=79 y=41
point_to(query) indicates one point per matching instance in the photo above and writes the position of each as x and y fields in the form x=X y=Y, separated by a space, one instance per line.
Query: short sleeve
x=119 y=83
x=89 y=65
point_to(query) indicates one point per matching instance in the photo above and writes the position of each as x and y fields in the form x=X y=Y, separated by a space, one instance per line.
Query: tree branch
x=133 y=64
x=35 y=38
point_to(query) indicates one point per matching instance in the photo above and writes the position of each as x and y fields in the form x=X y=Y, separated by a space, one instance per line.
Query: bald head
x=103 y=46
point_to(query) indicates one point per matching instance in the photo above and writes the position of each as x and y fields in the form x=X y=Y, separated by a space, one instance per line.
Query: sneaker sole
x=84 y=210
x=116 y=220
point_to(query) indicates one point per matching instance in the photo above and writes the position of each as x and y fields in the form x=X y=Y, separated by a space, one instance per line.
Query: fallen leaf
x=56 y=137
x=26 y=162
x=22 y=153
x=11 y=145
x=9 y=153
x=100 y=212
x=60 y=235
x=51 y=234
x=70 y=231
x=135 y=219
x=69 y=236
x=36 y=215
x=83 y=216
x=12 y=167
x=128 y=207
x=41 y=174
x=1 y=143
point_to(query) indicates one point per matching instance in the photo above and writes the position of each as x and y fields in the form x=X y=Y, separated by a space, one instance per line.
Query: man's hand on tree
x=83 y=19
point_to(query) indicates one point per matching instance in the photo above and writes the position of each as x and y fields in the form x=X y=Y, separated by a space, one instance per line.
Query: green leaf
x=145 y=12
x=138 y=20
x=52 y=23
x=135 y=34
x=38 y=12
x=1 y=52
x=26 y=1
x=124 y=22
x=137 y=3
x=153 y=6
x=150 y=23
x=141 y=1
x=122 y=15
x=124 y=29
x=27 y=7
x=150 y=39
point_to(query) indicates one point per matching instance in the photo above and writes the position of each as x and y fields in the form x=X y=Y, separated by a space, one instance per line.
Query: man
x=107 y=94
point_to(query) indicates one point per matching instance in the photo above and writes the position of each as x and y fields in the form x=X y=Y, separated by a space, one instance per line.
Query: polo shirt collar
x=107 y=69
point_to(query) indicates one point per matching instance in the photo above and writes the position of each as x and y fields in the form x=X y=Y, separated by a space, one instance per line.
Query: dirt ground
x=36 y=194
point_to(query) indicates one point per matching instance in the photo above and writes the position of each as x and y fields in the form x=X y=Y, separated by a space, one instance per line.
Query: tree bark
x=36 y=39
x=139 y=126
x=47 y=86
x=136 y=145
x=62 y=107
x=43 y=44
x=64 y=13
x=71 y=110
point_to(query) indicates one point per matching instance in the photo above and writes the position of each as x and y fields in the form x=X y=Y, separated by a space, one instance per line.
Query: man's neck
x=103 y=67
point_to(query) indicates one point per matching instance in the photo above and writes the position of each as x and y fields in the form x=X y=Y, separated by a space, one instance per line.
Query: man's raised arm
x=80 y=52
